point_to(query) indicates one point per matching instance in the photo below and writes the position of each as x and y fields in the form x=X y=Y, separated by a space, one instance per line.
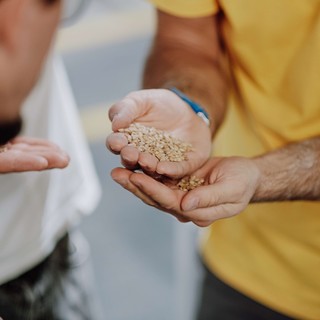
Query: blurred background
x=144 y=261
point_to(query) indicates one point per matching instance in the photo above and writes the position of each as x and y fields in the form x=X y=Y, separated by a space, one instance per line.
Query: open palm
x=31 y=154
x=165 y=111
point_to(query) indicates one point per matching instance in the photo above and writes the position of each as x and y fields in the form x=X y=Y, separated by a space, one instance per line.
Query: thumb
x=205 y=196
x=126 y=111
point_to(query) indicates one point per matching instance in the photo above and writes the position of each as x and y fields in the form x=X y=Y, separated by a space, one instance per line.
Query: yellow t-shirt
x=271 y=251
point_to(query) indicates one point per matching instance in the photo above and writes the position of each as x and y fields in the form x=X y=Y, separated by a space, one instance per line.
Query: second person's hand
x=24 y=154
x=230 y=184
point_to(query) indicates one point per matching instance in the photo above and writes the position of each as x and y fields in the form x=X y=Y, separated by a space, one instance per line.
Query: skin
x=27 y=28
x=288 y=173
x=164 y=110
x=31 y=154
x=229 y=186
x=166 y=67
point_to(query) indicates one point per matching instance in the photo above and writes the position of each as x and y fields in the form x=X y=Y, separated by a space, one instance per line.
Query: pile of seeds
x=159 y=143
x=190 y=183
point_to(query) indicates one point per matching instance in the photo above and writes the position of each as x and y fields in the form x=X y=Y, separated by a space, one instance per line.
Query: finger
x=124 y=112
x=174 y=210
x=207 y=196
x=35 y=142
x=173 y=170
x=56 y=159
x=183 y=220
x=166 y=198
x=180 y=169
x=116 y=141
x=203 y=217
x=202 y=224
x=25 y=147
x=130 y=157
x=122 y=177
x=14 y=162
x=208 y=170
x=148 y=162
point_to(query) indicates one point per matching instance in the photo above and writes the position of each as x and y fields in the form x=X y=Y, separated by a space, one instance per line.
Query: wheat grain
x=159 y=143
x=190 y=183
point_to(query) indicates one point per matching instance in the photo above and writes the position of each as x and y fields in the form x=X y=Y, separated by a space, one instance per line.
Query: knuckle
x=208 y=200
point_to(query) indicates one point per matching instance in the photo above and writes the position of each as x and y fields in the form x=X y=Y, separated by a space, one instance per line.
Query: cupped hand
x=163 y=110
x=230 y=184
x=31 y=154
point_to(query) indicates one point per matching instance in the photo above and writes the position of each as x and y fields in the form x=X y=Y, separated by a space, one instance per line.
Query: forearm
x=194 y=66
x=290 y=173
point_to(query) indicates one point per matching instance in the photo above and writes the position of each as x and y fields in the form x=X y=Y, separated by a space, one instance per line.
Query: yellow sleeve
x=187 y=8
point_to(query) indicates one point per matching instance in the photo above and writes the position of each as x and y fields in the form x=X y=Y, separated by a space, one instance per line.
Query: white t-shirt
x=72 y=9
x=37 y=208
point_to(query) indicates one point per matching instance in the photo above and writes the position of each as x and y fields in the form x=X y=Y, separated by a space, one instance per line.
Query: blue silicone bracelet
x=194 y=106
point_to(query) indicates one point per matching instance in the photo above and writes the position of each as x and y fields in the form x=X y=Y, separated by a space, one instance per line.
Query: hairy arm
x=187 y=54
x=286 y=174
x=290 y=173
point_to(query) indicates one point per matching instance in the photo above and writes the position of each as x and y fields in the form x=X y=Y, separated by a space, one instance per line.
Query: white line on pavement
x=105 y=29
x=95 y=121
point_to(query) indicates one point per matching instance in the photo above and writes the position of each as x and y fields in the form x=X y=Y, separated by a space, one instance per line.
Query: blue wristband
x=194 y=106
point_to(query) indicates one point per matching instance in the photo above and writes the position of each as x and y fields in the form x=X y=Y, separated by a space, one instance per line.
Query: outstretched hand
x=163 y=110
x=230 y=184
x=31 y=154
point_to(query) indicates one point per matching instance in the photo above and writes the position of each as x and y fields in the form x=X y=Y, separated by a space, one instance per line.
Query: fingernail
x=191 y=204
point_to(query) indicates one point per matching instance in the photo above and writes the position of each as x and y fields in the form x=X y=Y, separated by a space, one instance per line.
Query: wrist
x=250 y=175
x=196 y=107
x=262 y=180
x=257 y=195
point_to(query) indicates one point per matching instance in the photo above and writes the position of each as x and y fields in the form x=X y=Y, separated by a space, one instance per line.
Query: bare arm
x=187 y=54
x=183 y=56
x=290 y=173
x=286 y=174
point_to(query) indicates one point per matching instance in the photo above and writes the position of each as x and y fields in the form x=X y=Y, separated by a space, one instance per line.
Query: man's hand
x=27 y=28
x=230 y=184
x=30 y=154
x=164 y=110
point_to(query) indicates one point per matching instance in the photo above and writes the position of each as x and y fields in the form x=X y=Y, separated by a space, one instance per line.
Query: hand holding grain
x=165 y=111
x=222 y=188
